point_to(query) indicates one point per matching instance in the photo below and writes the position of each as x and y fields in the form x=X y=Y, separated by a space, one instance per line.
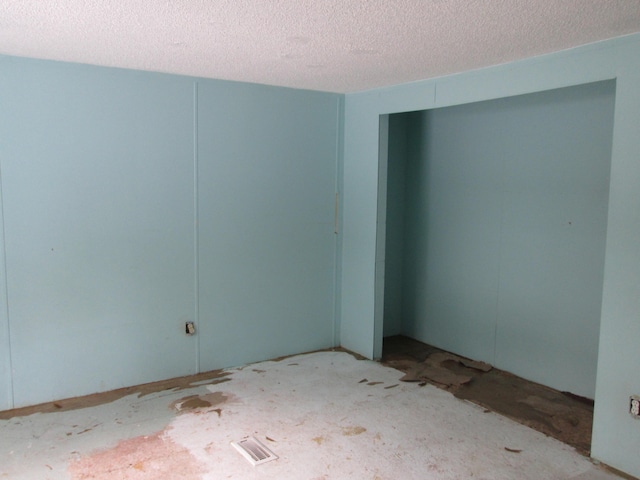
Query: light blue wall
x=97 y=183
x=505 y=211
x=360 y=210
x=615 y=434
x=107 y=208
x=267 y=179
x=553 y=237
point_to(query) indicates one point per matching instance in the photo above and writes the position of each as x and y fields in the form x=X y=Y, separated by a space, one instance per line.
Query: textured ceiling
x=331 y=45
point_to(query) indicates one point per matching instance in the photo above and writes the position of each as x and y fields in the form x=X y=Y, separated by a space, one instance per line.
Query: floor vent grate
x=254 y=451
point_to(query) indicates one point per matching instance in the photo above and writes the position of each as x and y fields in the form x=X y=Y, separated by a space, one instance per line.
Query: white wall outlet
x=189 y=328
x=634 y=406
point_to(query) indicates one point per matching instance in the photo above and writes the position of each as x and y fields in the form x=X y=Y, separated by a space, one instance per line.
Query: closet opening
x=491 y=242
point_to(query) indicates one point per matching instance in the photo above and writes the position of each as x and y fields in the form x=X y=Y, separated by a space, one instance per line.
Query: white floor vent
x=254 y=451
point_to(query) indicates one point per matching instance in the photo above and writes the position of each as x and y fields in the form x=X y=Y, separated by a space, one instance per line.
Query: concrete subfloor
x=327 y=415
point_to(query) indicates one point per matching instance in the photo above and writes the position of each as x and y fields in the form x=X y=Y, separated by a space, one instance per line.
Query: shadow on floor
x=560 y=415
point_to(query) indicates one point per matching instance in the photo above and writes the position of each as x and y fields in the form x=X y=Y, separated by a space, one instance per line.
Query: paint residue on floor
x=152 y=457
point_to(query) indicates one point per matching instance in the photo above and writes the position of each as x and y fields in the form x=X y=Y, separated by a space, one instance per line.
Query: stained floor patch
x=193 y=402
x=351 y=431
x=153 y=457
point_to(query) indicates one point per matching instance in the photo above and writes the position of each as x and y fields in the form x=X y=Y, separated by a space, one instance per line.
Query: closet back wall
x=102 y=200
x=505 y=215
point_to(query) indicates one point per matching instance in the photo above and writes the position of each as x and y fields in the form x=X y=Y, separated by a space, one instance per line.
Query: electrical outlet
x=634 y=406
x=189 y=328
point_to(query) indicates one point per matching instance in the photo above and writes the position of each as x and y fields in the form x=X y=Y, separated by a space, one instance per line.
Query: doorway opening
x=492 y=237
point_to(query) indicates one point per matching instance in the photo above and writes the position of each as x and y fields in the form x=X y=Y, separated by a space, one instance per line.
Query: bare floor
x=326 y=415
x=558 y=414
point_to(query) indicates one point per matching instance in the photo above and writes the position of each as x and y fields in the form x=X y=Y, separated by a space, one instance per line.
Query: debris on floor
x=423 y=372
x=434 y=369
x=563 y=416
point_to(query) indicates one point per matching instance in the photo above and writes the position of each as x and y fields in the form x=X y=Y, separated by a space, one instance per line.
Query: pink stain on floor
x=141 y=458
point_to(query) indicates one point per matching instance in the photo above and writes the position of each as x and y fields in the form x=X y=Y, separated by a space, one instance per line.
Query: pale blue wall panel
x=506 y=222
x=267 y=179
x=616 y=434
x=359 y=212
x=452 y=232
x=98 y=204
x=556 y=191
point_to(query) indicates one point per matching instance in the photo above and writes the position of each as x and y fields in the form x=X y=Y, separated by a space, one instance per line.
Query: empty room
x=318 y=240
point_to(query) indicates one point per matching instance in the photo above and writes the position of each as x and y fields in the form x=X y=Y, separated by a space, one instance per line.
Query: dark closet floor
x=558 y=414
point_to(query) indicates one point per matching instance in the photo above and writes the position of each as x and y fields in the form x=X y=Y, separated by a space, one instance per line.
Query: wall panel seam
x=196 y=229
x=337 y=267
x=11 y=394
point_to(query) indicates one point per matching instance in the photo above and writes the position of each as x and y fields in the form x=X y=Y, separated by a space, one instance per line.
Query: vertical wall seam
x=9 y=350
x=337 y=252
x=196 y=229
x=500 y=253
